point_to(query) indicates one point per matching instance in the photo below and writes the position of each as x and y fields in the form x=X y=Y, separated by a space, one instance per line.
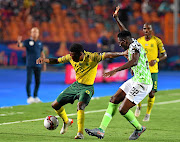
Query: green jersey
x=141 y=71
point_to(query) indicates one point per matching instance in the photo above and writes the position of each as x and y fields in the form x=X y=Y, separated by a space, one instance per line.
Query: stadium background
x=64 y=22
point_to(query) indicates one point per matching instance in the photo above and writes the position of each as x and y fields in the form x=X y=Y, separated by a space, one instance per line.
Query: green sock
x=132 y=119
x=111 y=110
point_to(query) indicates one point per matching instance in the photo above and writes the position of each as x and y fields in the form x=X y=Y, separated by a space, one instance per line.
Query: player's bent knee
x=122 y=111
x=81 y=106
x=55 y=105
x=151 y=94
x=113 y=99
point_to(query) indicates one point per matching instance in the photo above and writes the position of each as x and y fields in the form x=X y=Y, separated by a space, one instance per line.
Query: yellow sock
x=139 y=105
x=80 y=121
x=62 y=113
x=150 y=105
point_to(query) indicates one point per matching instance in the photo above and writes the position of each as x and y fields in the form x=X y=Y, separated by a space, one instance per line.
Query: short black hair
x=77 y=48
x=124 y=34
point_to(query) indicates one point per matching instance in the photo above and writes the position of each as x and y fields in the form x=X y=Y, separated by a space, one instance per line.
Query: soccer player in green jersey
x=85 y=66
x=133 y=90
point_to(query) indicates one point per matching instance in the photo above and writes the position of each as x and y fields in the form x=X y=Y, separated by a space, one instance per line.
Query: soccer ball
x=51 y=122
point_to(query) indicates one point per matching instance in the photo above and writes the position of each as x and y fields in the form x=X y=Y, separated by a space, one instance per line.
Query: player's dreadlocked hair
x=77 y=48
x=124 y=34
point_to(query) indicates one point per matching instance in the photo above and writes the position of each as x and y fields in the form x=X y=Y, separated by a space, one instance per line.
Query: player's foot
x=137 y=111
x=37 y=100
x=79 y=136
x=30 y=100
x=136 y=134
x=97 y=132
x=147 y=117
x=65 y=126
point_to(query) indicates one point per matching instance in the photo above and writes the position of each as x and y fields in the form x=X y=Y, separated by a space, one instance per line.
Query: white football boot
x=137 y=111
x=66 y=125
x=79 y=136
x=147 y=117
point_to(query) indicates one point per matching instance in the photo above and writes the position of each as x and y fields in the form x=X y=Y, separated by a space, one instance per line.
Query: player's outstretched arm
x=120 y=24
x=129 y=64
x=115 y=54
x=41 y=60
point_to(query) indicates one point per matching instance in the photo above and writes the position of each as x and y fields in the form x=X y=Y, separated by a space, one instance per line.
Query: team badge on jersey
x=31 y=43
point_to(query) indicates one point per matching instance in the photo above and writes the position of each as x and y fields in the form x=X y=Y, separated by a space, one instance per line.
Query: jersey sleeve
x=64 y=59
x=25 y=43
x=160 y=45
x=41 y=46
x=97 y=57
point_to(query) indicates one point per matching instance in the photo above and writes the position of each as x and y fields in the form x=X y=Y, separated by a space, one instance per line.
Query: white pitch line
x=101 y=110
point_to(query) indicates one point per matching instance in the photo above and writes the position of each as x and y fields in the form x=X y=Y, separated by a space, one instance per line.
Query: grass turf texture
x=163 y=125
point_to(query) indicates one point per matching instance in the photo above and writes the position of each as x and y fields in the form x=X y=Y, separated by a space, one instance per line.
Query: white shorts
x=135 y=91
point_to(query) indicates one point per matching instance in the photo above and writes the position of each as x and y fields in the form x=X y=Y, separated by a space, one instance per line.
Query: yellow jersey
x=85 y=70
x=153 y=47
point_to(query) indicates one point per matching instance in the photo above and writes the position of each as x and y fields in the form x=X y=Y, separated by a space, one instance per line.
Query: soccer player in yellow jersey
x=85 y=65
x=155 y=52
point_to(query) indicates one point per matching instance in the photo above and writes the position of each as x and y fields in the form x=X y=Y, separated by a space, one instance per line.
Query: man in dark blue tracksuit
x=34 y=49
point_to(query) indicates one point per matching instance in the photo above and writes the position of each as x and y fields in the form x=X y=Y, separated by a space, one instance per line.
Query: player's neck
x=35 y=38
x=148 y=37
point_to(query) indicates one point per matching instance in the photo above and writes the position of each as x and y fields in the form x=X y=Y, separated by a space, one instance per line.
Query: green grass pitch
x=163 y=125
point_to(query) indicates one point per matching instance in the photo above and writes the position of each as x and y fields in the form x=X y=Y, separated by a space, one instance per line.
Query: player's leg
x=28 y=85
x=84 y=98
x=59 y=109
x=112 y=108
x=125 y=111
x=135 y=95
x=151 y=98
x=66 y=96
x=138 y=110
x=37 y=75
x=110 y=112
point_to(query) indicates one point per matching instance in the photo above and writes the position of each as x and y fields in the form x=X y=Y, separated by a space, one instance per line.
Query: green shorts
x=75 y=91
x=155 y=81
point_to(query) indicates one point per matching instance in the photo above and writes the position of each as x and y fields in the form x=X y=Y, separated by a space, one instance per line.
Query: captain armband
x=53 y=61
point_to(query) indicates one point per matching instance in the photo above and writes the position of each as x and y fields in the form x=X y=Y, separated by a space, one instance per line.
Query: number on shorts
x=134 y=91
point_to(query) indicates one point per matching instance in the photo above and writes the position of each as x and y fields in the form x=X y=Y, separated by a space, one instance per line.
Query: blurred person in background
x=34 y=49
x=103 y=45
x=155 y=52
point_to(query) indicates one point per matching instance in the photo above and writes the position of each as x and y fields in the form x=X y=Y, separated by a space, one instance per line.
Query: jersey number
x=134 y=92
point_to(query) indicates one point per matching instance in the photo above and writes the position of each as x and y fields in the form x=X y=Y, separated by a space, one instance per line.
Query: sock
x=132 y=119
x=110 y=112
x=150 y=105
x=139 y=105
x=80 y=121
x=62 y=113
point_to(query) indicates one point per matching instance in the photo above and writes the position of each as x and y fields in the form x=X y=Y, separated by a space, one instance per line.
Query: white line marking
x=4 y=107
x=11 y=113
x=102 y=110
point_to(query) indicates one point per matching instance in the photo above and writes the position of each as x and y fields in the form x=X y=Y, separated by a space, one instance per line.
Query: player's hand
x=19 y=39
x=116 y=12
x=125 y=54
x=40 y=60
x=109 y=74
x=152 y=62
x=44 y=68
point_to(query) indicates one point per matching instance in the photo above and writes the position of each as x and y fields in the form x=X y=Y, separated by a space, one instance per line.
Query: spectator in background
x=146 y=8
x=103 y=46
x=34 y=49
